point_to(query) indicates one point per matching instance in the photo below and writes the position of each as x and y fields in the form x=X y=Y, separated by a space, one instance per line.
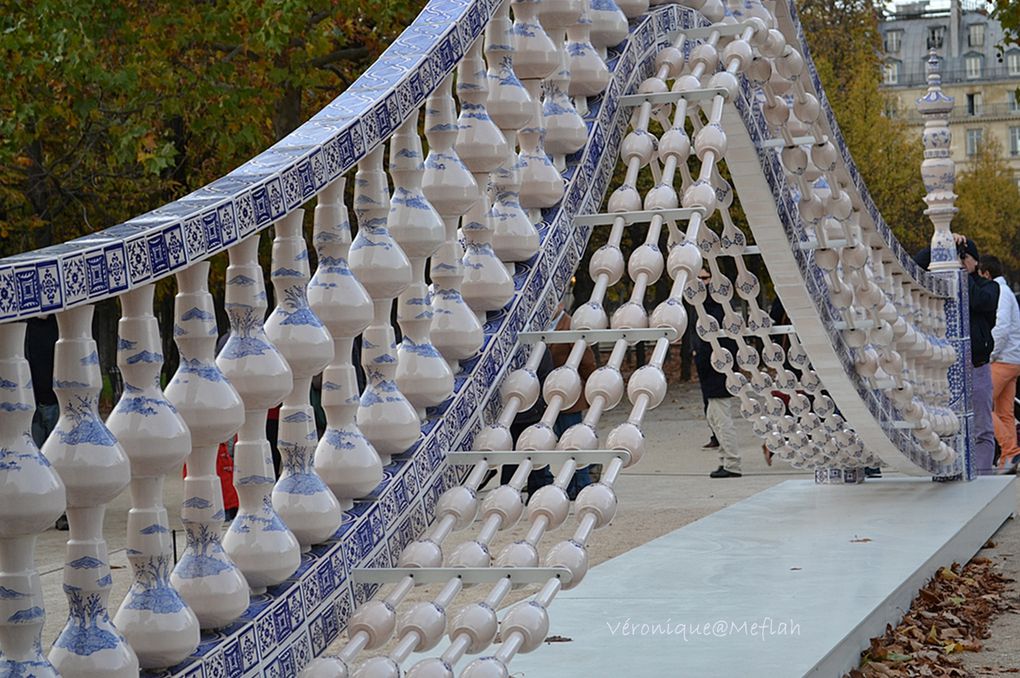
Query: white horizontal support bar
x=541 y=456
x=672 y=97
x=468 y=575
x=780 y=142
x=636 y=217
x=702 y=33
x=775 y=329
x=806 y=246
x=595 y=336
x=862 y=324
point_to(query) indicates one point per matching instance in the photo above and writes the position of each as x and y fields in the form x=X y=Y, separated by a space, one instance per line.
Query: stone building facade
x=979 y=71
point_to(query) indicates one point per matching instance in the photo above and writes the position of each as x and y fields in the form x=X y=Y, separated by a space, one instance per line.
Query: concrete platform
x=790 y=582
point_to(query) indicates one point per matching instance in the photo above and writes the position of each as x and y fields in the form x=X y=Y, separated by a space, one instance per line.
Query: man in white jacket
x=1005 y=363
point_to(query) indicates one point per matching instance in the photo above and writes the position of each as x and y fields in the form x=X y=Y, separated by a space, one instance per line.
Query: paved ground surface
x=667 y=490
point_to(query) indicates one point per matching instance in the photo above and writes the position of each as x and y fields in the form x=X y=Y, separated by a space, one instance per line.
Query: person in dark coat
x=984 y=303
x=713 y=389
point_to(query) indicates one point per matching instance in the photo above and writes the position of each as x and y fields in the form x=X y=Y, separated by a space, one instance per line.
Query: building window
x=891 y=74
x=1011 y=102
x=1014 y=141
x=974 y=103
x=976 y=35
x=936 y=35
x=892 y=41
x=974 y=141
x=1013 y=62
x=973 y=66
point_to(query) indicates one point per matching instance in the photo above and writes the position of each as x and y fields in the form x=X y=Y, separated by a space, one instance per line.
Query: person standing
x=40 y=344
x=713 y=389
x=1005 y=362
x=574 y=414
x=984 y=304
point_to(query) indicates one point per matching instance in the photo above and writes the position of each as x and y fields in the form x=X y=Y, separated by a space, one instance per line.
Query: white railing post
x=32 y=496
x=300 y=497
x=448 y=185
x=423 y=376
x=157 y=623
x=385 y=416
x=344 y=458
x=205 y=576
x=261 y=545
x=95 y=470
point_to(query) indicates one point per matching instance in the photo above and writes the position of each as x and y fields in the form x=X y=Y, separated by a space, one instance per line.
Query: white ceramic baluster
x=634 y=8
x=423 y=376
x=565 y=131
x=384 y=415
x=514 y=237
x=95 y=470
x=32 y=496
x=535 y=59
x=300 y=497
x=608 y=25
x=205 y=576
x=588 y=73
x=157 y=623
x=344 y=459
x=257 y=540
x=448 y=185
x=487 y=284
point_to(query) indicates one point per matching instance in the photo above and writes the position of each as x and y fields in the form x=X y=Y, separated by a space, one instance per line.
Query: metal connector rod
x=594 y=336
x=671 y=97
x=468 y=575
x=540 y=456
x=636 y=217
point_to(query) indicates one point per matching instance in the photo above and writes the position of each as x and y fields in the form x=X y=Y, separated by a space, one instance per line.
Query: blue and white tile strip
x=283 y=631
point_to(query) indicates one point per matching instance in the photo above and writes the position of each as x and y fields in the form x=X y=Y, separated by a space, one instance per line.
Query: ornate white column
x=257 y=540
x=32 y=496
x=588 y=73
x=300 y=497
x=344 y=458
x=565 y=131
x=536 y=58
x=423 y=376
x=487 y=284
x=205 y=576
x=608 y=25
x=95 y=470
x=384 y=415
x=514 y=237
x=451 y=189
x=938 y=169
x=157 y=623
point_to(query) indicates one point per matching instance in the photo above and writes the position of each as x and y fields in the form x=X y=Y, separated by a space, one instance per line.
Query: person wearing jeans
x=1005 y=362
x=984 y=304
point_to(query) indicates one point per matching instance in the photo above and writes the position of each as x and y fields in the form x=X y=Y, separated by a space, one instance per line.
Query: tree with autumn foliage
x=108 y=110
x=846 y=45
x=989 y=203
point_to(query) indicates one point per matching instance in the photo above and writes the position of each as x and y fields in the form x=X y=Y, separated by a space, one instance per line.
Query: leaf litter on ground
x=951 y=614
